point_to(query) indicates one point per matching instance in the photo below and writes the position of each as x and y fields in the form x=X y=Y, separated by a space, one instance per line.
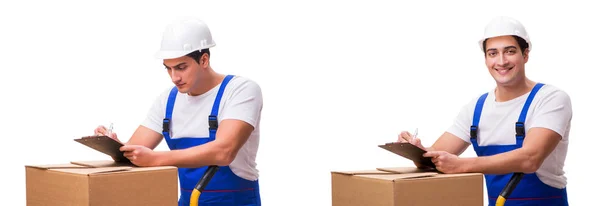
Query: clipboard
x=105 y=145
x=409 y=151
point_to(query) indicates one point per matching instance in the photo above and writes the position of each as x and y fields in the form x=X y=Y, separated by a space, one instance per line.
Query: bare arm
x=538 y=144
x=230 y=137
x=145 y=137
x=449 y=143
x=142 y=136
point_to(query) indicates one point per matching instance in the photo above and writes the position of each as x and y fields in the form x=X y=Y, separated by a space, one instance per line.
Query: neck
x=208 y=81
x=509 y=92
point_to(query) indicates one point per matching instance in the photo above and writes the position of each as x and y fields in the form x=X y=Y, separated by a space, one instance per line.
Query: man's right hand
x=102 y=131
x=406 y=137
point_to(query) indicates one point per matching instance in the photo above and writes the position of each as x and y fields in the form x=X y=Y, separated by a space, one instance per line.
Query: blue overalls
x=530 y=190
x=225 y=188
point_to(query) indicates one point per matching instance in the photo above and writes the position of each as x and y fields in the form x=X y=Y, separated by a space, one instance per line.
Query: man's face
x=505 y=61
x=184 y=72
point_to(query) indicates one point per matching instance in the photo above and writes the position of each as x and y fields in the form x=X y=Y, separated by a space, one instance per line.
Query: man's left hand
x=140 y=155
x=446 y=162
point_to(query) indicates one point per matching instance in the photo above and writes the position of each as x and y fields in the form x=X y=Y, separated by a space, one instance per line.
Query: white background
x=338 y=78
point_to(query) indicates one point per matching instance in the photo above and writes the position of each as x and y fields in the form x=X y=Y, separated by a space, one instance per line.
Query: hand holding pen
x=411 y=138
x=101 y=130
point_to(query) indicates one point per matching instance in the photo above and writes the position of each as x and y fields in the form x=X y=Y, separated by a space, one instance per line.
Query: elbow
x=531 y=165
x=529 y=168
x=224 y=158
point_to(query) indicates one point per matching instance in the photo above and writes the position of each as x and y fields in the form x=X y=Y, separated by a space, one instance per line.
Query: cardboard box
x=100 y=183
x=405 y=186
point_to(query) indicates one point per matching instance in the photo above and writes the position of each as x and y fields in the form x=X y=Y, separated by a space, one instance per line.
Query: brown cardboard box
x=100 y=183
x=405 y=186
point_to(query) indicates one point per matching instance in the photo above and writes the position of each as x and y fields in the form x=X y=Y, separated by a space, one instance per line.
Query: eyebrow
x=505 y=48
x=175 y=65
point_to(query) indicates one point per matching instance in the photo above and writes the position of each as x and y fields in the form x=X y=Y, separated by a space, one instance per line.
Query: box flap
x=391 y=174
x=88 y=171
x=361 y=172
x=387 y=170
x=113 y=164
x=102 y=163
x=56 y=166
x=405 y=170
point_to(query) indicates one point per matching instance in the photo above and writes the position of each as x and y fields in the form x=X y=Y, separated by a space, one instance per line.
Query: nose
x=502 y=60
x=174 y=76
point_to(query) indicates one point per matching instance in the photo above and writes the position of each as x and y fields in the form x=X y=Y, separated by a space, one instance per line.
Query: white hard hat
x=502 y=26
x=183 y=37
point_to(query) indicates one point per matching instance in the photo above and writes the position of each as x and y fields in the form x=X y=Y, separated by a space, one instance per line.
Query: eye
x=511 y=51
x=492 y=54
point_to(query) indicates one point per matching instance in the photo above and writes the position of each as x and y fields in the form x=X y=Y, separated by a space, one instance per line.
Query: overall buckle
x=473 y=131
x=166 y=125
x=520 y=128
x=212 y=122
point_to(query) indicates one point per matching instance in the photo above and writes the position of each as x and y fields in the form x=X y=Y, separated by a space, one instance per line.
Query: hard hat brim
x=176 y=54
x=483 y=39
x=169 y=54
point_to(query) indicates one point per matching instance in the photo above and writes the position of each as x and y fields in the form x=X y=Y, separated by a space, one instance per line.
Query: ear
x=526 y=55
x=204 y=60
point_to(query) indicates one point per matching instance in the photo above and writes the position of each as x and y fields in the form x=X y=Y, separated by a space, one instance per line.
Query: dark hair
x=522 y=44
x=197 y=54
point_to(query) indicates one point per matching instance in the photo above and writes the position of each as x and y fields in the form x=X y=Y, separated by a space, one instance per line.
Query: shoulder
x=164 y=94
x=553 y=95
x=549 y=90
x=162 y=97
x=552 y=110
x=244 y=85
x=240 y=81
x=470 y=105
x=160 y=101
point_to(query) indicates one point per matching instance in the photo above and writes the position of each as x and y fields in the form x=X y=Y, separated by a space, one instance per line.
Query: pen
x=109 y=130
x=416 y=133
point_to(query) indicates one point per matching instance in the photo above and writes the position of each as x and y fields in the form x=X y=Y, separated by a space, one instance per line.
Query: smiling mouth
x=503 y=70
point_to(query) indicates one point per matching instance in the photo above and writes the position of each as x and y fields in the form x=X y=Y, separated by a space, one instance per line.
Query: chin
x=504 y=81
x=182 y=89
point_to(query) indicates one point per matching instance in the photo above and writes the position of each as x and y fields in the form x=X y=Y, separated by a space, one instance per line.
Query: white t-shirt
x=241 y=100
x=551 y=109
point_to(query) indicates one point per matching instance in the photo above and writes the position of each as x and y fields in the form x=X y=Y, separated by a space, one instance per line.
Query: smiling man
x=206 y=119
x=519 y=126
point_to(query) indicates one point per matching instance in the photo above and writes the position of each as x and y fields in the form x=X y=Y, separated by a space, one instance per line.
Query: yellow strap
x=194 y=198
x=500 y=201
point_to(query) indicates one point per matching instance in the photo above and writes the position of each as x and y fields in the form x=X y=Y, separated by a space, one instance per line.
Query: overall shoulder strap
x=520 y=124
x=169 y=112
x=477 y=116
x=212 y=118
